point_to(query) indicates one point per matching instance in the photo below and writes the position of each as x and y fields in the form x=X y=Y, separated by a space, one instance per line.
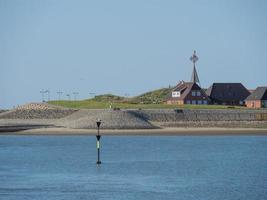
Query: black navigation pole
x=98 y=136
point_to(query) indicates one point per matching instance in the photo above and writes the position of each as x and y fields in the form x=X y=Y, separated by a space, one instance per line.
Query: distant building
x=258 y=98
x=227 y=93
x=187 y=93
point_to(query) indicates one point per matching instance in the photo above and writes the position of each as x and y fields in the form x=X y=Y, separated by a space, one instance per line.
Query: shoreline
x=143 y=132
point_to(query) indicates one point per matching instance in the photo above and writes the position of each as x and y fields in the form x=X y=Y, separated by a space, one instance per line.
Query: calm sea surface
x=134 y=167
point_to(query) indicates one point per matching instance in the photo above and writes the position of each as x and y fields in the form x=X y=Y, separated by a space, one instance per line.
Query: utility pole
x=59 y=94
x=98 y=136
x=91 y=94
x=43 y=92
x=48 y=95
x=75 y=95
x=68 y=95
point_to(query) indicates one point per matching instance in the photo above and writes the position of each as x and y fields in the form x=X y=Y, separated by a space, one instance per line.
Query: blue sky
x=127 y=47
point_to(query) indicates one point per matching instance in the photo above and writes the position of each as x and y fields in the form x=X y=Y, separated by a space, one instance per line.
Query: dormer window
x=176 y=94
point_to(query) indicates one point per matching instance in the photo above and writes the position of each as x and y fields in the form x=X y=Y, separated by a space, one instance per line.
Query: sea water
x=133 y=167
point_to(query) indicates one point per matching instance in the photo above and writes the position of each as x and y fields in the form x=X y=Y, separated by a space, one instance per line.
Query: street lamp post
x=91 y=94
x=75 y=95
x=98 y=136
x=48 y=95
x=43 y=92
x=59 y=94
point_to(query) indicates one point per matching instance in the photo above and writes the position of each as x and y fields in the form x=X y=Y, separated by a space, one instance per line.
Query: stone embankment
x=45 y=115
x=170 y=115
x=205 y=117
x=111 y=119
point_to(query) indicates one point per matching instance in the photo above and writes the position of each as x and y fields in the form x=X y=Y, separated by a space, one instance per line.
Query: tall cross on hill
x=194 y=77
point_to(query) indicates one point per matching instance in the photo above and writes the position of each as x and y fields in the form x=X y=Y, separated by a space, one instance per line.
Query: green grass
x=153 y=97
x=150 y=100
x=93 y=104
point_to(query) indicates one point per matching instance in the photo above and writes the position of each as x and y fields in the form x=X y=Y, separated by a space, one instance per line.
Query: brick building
x=258 y=99
x=187 y=93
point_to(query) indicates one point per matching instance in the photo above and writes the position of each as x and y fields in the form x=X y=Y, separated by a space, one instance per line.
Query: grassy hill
x=153 y=97
x=149 y=100
x=108 y=98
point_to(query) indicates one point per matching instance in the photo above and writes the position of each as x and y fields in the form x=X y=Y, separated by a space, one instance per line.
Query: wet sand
x=163 y=132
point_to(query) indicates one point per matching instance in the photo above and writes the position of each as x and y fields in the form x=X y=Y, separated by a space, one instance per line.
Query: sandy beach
x=150 y=132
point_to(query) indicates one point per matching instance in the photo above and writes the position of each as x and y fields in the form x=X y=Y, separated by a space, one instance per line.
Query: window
x=198 y=93
x=188 y=102
x=205 y=102
x=241 y=102
x=194 y=102
x=199 y=102
x=176 y=94
x=193 y=93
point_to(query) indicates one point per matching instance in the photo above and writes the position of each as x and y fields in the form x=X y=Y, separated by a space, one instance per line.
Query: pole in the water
x=98 y=136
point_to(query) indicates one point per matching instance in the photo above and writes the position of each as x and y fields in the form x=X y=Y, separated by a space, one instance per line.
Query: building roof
x=251 y=90
x=227 y=92
x=185 y=88
x=259 y=94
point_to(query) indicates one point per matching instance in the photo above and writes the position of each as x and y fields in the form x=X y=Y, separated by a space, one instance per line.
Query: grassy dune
x=153 y=99
x=93 y=104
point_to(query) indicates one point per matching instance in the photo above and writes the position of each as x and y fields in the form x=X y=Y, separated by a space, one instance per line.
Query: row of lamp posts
x=59 y=93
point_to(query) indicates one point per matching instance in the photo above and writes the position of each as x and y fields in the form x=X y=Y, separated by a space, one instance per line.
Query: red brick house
x=258 y=99
x=187 y=93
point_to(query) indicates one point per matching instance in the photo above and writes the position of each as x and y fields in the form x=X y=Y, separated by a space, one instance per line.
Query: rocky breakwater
x=39 y=115
x=36 y=111
x=111 y=119
x=33 y=115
